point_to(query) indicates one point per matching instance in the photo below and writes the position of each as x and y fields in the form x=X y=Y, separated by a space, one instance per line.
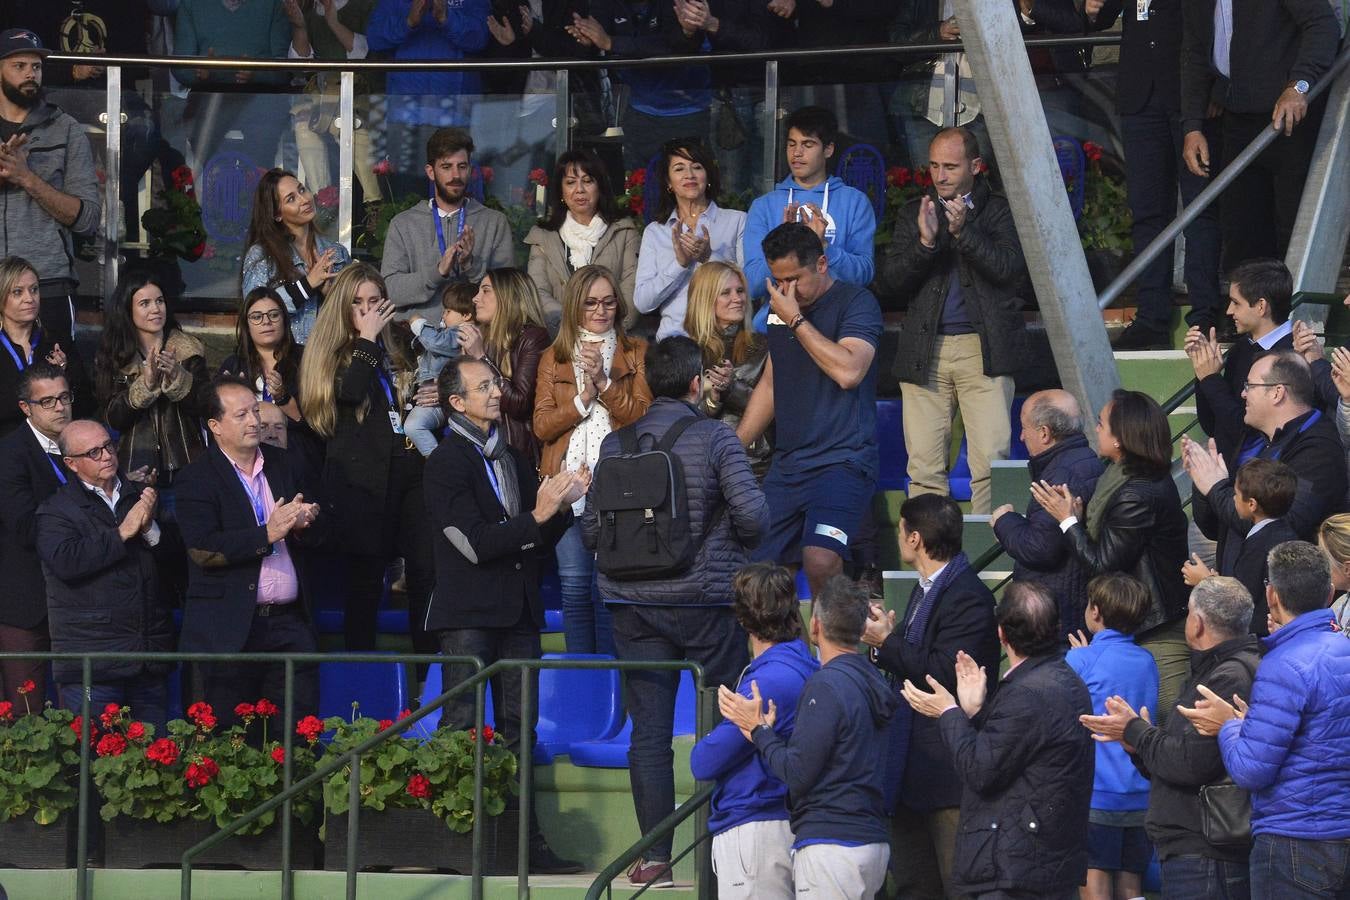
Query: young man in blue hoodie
x=841 y=216
x=749 y=820
x=1113 y=665
x=834 y=764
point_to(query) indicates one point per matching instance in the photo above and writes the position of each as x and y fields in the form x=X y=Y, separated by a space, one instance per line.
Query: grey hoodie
x=59 y=154
x=411 y=254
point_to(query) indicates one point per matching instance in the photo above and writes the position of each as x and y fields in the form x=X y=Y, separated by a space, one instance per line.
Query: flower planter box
x=143 y=844
x=416 y=838
x=24 y=844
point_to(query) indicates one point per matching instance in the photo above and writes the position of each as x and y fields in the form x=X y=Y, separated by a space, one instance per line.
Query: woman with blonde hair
x=1333 y=536
x=717 y=318
x=25 y=341
x=355 y=376
x=591 y=381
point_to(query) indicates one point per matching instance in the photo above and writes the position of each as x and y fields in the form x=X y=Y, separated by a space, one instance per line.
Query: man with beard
x=47 y=183
x=452 y=238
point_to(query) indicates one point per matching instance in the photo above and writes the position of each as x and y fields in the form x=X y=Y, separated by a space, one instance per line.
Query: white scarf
x=583 y=447
x=580 y=240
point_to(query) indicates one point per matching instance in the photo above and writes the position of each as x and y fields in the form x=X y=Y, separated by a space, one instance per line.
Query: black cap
x=20 y=40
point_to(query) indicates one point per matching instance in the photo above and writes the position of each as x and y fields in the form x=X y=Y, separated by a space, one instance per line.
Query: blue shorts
x=1115 y=849
x=820 y=508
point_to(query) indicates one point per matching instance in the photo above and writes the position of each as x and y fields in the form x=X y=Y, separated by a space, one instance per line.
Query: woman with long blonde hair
x=1333 y=536
x=355 y=377
x=26 y=341
x=591 y=381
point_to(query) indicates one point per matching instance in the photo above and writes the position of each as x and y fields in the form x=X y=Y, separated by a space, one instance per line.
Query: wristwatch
x=796 y=322
x=1301 y=86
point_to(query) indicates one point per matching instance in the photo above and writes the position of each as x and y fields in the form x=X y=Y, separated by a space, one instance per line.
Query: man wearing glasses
x=1282 y=423
x=31 y=469
x=95 y=538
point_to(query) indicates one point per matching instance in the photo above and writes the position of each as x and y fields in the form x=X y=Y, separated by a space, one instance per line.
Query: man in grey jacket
x=686 y=616
x=452 y=237
x=47 y=184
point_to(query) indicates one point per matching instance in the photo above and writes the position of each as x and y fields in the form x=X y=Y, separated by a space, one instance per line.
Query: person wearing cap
x=48 y=190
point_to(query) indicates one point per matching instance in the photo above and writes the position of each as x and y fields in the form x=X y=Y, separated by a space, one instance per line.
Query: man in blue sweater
x=749 y=819
x=834 y=763
x=1289 y=747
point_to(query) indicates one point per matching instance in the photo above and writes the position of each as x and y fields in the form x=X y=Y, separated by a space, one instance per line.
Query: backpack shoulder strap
x=628 y=439
x=673 y=433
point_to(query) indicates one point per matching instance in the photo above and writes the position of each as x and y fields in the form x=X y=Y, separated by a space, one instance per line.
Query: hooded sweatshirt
x=835 y=763
x=59 y=154
x=746 y=791
x=848 y=245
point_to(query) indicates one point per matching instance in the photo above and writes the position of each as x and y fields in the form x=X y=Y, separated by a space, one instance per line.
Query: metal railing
x=602 y=885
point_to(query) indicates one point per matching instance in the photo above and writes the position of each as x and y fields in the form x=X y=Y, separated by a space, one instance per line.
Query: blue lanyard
x=259 y=507
x=1257 y=444
x=266 y=394
x=440 y=228
x=14 y=353
x=60 y=476
x=492 y=476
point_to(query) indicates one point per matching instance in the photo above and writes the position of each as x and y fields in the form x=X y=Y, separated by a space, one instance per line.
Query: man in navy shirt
x=823 y=337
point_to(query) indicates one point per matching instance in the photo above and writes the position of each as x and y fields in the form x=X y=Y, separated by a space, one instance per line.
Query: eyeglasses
x=486 y=387
x=610 y=305
x=257 y=318
x=1249 y=385
x=95 y=453
x=65 y=399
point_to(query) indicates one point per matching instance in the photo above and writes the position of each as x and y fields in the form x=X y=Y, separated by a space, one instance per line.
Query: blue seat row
x=895 y=458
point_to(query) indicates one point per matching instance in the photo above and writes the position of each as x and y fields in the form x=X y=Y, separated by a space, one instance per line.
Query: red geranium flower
x=309 y=728
x=899 y=176
x=1092 y=151
x=111 y=744
x=265 y=707
x=136 y=731
x=163 y=751
x=75 y=726
x=208 y=250
x=202 y=715
x=328 y=197
x=27 y=687
x=386 y=723
x=635 y=204
x=403 y=715
x=279 y=755
x=419 y=786
x=245 y=710
x=200 y=774
x=111 y=713
x=539 y=176
x=488 y=174
x=6 y=710
x=383 y=167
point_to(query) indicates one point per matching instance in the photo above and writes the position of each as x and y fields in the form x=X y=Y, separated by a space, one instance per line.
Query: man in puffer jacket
x=687 y=616
x=1289 y=749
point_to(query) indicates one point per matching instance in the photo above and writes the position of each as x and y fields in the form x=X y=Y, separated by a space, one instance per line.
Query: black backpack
x=643 y=509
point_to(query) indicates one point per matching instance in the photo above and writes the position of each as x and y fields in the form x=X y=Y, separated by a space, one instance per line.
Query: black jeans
x=225 y=685
x=520 y=641
x=709 y=636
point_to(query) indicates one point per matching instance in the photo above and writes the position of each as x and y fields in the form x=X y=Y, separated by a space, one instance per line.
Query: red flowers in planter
x=27 y=687
x=309 y=728
x=136 y=731
x=488 y=734
x=383 y=167
x=199 y=774
x=111 y=713
x=539 y=176
x=1092 y=151
x=77 y=724
x=111 y=744
x=6 y=710
x=202 y=715
x=419 y=786
x=245 y=711
x=327 y=197
x=265 y=708
x=163 y=751
x=279 y=755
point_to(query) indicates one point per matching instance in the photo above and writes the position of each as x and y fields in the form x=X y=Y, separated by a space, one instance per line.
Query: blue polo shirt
x=818 y=423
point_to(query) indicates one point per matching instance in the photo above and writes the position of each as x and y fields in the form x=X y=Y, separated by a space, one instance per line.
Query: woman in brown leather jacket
x=591 y=381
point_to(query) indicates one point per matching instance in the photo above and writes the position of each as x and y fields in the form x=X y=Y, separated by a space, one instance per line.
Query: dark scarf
x=914 y=632
x=493 y=448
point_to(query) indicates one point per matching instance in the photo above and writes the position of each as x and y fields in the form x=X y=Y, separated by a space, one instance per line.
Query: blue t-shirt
x=816 y=422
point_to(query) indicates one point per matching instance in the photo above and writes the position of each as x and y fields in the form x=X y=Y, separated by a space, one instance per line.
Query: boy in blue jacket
x=749 y=819
x=1111 y=664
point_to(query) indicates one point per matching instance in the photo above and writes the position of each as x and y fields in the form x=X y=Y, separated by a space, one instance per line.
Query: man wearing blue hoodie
x=841 y=216
x=834 y=764
x=749 y=819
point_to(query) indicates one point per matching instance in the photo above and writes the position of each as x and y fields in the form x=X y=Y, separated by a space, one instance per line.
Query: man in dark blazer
x=950 y=609
x=245 y=524
x=493 y=524
x=31 y=469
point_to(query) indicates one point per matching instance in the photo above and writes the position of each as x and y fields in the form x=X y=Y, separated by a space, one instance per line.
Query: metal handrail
x=1212 y=191
x=699 y=799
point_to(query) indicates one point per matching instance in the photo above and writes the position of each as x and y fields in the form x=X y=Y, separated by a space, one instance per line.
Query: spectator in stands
x=1024 y=762
x=31 y=470
x=1259 y=68
x=437 y=344
x=1148 y=101
x=1286 y=748
x=1333 y=536
x=286 y=252
x=58 y=194
x=583 y=228
x=454 y=238
x=510 y=335
x=265 y=352
x=246 y=524
x=1052 y=430
x=1134 y=524
x=834 y=763
x=806 y=196
x=273 y=426
x=1178 y=761
x=27 y=343
x=955 y=254
x=422 y=102
x=823 y=337
x=718 y=319
x=1259 y=293
x=688 y=230
x=94 y=537
x=492 y=520
x=354 y=380
x=1262 y=495
x=950 y=610
x=1112 y=665
x=689 y=616
x=591 y=381
x=752 y=839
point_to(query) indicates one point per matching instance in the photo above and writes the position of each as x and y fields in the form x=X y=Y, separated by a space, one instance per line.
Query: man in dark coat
x=956 y=259
x=950 y=610
x=1052 y=429
x=95 y=537
x=244 y=521
x=1024 y=762
x=494 y=522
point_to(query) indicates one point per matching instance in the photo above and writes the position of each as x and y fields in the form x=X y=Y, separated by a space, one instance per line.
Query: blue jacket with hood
x=746 y=792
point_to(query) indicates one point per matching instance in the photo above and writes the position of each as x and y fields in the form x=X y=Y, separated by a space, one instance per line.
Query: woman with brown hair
x=355 y=376
x=591 y=381
x=265 y=352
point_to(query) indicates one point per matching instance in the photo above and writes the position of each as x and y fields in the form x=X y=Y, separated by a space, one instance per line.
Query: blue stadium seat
x=803 y=586
x=431 y=689
x=553 y=621
x=392 y=621
x=328 y=621
x=862 y=166
x=612 y=753
x=550 y=588
x=1073 y=166
x=958 y=479
x=381 y=689
x=576 y=705
x=891 y=445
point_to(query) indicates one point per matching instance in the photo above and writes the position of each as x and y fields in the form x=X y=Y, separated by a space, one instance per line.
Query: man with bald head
x=1052 y=429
